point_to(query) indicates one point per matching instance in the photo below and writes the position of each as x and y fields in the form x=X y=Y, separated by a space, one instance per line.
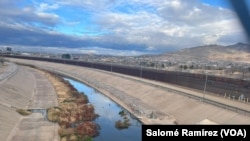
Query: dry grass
x=73 y=137
x=73 y=111
x=24 y=112
x=87 y=129
x=123 y=124
x=53 y=114
x=62 y=132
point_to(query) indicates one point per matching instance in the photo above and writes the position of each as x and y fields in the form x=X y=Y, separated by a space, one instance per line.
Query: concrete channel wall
x=15 y=92
x=25 y=88
x=232 y=88
x=145 y=97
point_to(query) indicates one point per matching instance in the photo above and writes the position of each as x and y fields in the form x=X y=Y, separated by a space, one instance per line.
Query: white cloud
x=47 y=7
x=92 y=5
x=173 y=23
x=11 y=13
x=147 y=25
x=84 y=50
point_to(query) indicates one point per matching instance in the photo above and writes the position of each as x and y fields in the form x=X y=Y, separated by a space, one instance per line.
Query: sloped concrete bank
x=150 y=103
x=36 y=126
x=25 y=88
x=14 y=93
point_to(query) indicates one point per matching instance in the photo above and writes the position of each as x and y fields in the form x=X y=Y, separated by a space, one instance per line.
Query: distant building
x=26 y=54
x=75 y=58
x=8 y=49
x=66 y=56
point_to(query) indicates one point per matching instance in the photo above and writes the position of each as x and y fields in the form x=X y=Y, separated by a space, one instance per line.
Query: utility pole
x=140 y=71
x=205 y=86
x=111 y=66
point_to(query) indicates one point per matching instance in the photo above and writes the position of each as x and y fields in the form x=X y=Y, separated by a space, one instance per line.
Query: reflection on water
x=109 y=114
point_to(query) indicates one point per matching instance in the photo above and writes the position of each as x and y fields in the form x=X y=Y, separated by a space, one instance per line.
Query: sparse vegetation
x=122 y=113
x=87 y=129
x=53 y=114
x=74 y=114
x=122 y=124
x=64 y=132
x=85 y=139
x=24 y=112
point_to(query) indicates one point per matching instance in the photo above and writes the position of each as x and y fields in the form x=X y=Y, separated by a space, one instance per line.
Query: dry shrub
x=65 y=132
x=64 y=124
x=73 y=137
x=122 y=124
x=64 y=138
x=88 y=112
x=88 y=108
x=53 y=114
x=24 y=112
x=69 y=106
x=74 y=93
x=72 y=118
x=64 y=120
x=75 y=113
x=68 y=100
x=87 y=129
x=81 y=99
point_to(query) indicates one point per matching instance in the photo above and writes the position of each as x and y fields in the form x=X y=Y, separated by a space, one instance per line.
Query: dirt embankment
x=74 y=114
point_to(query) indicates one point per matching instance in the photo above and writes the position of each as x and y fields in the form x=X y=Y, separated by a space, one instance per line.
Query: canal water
x=108 y=112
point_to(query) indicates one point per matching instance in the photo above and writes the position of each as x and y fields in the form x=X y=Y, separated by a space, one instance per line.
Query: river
x=108 y=112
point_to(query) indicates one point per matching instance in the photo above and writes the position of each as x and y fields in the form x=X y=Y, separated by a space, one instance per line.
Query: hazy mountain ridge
x=239 y=52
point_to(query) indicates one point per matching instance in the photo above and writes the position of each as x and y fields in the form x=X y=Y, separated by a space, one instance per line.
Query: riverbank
x=143 y=112
x=73 y=114
x=152 y=101
x=30 y=90
x=109 y=114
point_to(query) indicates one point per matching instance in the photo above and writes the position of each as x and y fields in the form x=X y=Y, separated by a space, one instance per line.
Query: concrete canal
x=109 y=113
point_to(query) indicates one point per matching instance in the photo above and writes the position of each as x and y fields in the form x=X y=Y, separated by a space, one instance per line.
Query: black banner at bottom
x=196 y=132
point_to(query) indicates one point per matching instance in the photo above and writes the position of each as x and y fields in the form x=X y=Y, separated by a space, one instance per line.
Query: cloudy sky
x=119 y=27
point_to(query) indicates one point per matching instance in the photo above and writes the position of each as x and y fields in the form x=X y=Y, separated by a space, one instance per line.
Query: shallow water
x=108 y=112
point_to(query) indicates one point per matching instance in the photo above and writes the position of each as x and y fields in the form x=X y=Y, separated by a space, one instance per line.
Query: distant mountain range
x=239 y=52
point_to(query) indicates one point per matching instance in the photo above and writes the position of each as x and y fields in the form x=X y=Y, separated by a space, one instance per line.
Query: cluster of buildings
x=171 y=62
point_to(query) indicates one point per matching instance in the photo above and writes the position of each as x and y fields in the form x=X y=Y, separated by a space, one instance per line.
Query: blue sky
x=220 y=3
x=118 y=27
